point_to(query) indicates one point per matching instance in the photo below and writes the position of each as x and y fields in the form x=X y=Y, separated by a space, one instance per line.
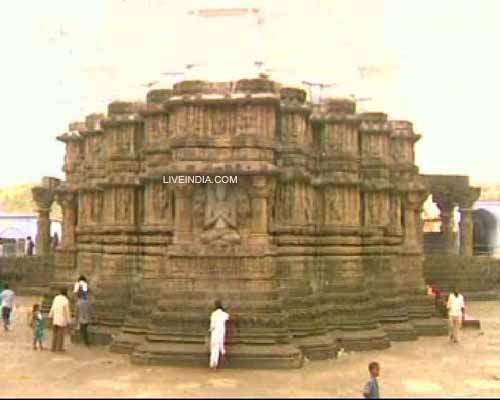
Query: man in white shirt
x=218 y=320
x=456 y=312
x=7 y=299
x=61 y=318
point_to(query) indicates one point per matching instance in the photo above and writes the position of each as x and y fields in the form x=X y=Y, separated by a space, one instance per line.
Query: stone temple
x=317 y=246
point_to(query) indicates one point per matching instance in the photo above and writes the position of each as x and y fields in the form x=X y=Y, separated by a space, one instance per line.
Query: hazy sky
x=433 y=62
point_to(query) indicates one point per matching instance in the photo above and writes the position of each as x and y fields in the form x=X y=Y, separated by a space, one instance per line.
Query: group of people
x=60 y=314
x=30 y=244
x=218 y=331
x=455 y=306
x=219 y=318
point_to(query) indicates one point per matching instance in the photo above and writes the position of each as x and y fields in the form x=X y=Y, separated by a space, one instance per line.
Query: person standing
x=81 y=287
x=29 y=246
x=7 y=298
x=456 y=312
x=55 y=241
x=38 y=326
x=372 y=389
x=61 y=318
x=85 y=315
x=218 y=320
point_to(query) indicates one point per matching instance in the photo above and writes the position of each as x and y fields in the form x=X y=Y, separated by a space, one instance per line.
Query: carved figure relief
x=293 y=128
x=400 y=152
x=368 y=209
x=83 y=208
x=334 y=206
x=166 y=203
x=219 y=122
x=122 y=141
x=245 y=119
x=308 y=217
x=222 y=209
x=123 y=202
x=97 y=205
x=285 y=200
x=271 y=208
x=154 y=129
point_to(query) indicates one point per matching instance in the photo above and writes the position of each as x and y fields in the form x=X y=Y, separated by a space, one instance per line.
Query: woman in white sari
x=218 y=320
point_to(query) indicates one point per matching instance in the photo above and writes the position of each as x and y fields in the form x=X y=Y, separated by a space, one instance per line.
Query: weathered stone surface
x=477 y=277
x=316 y=246
x=448 y=192
x=27 y=275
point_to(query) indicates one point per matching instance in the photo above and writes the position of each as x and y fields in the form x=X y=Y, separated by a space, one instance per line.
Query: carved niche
x=220 y=211
x=284 y=199
x=334 y=205
x=124 y=203
x=96 y=205
x=162 y=203
x=85 y=207
x=156 y=129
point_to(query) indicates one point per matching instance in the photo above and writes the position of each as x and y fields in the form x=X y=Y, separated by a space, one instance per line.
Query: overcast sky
x=435 y=63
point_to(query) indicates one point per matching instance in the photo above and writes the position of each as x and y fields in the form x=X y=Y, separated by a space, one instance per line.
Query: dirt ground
x=429 y=367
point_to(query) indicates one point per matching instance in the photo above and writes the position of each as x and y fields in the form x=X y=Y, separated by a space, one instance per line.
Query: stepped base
x=317 y=347
x=430 y=326
x=373 y=339
x=481 y=295
x=470 y=322
x=400 y=332
x=277 y=356
x=101 y=335
x=125 y=343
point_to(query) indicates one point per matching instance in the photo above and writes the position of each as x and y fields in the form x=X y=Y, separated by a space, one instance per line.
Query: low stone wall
x=27 y=275
x=478 y=277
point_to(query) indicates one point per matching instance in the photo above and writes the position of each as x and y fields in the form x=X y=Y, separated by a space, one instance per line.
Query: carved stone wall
x=27 y=275
x=477 y=277
x=315 y=246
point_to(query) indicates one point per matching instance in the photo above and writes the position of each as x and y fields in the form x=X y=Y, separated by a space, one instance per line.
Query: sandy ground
x=429 y=367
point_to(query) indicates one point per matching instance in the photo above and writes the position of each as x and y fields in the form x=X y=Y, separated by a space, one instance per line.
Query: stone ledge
x=238 y=356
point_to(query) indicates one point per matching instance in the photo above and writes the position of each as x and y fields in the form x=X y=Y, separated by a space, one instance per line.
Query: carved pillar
x=67 y=201
x=412 y=215
x=43 y=198
x=448 y=220
x=260 y=192
x=466 y=232
x=43 y=235
x=446 y=206
x=420 y=308
x=183 y=210
x=466 y=221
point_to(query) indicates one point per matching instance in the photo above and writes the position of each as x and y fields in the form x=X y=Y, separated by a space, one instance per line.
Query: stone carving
x=97 y=199
x=123 y=204
x=335 y=206
x=222 y=209
x=166 y=203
